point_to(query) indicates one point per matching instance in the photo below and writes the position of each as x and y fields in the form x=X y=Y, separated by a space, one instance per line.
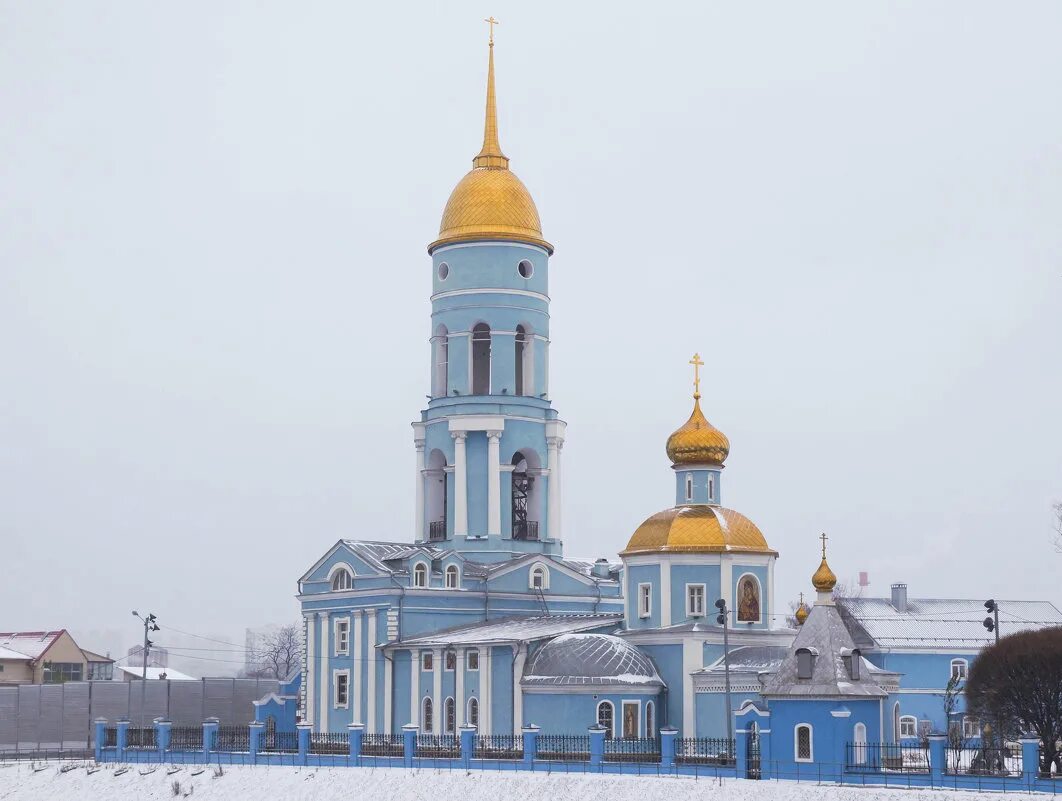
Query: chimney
x=601 y=568
x=899 y=597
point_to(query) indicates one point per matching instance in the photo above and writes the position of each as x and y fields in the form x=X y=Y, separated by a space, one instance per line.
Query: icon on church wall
x=630 y=719
x=748 y=600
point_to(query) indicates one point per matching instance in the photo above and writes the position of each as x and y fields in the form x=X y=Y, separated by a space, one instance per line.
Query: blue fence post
x=101 y=735
x=409 y=743
x=938 y=756
x=468 y=745
x=530 y=733
x=597 y=745
x=254 y=740
x=1030 y=760
x=303 y=730
x=162 y=736
x=121 y=739
x=210 y=737
x=741 y=751
x=355 y=736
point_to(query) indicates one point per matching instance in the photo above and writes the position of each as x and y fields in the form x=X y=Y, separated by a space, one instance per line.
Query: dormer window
x=852 y=659
x=420 y=575
x=805 y=663
x=342 y=580
x=453 y=577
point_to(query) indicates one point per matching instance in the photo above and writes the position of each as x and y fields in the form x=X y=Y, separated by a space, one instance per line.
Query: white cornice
x=453 y=293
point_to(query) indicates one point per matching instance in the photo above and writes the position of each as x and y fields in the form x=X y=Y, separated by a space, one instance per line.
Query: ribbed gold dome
x=802 y=613
x=490 y=202
x=824 y=580
x=698 y=441
x=698 y=529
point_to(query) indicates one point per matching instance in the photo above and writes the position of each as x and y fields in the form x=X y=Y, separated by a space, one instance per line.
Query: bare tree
x=1018 y=683
x=1057 y=509
x=279 y=652
x=956 y=729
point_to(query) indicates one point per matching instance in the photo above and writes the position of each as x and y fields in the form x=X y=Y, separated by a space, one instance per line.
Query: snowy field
x=26 y=782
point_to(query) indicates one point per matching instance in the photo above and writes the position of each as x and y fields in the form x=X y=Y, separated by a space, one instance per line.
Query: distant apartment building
x=48 y=657
x=158 y=657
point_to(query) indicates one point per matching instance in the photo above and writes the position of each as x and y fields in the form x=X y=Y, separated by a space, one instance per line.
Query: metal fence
x=385 y=745
x=632 y=749
x=983 y=761
x=141 y=737
x=886 y=757
x=110 y=737
x=704 y=751
x=498 y=746
x=564 y=747
x=329 y=743
x=233 y=738
x=57 y=716
x=438 y=746
x=280 y=742
x=186 y=738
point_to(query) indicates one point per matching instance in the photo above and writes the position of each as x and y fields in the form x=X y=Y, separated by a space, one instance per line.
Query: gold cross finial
x=697 y=365
x=491 y=22
x=823 y=537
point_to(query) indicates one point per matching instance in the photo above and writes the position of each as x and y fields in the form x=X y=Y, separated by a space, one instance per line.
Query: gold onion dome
x=824 y=579
x=698 y=441
x=802 y=611
x=490 y=202
x=700 y=528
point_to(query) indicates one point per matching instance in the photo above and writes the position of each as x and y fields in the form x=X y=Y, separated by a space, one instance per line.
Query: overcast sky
x=214 y=287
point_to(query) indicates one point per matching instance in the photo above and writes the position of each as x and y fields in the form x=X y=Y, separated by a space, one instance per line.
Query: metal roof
x=29 y=643
x=512 y=629
x=582 y=659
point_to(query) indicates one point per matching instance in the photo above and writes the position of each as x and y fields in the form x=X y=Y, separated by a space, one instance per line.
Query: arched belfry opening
x=481 y=359
x=523 y=361
x=526 y=476
x=435 y=496
x=441 y=359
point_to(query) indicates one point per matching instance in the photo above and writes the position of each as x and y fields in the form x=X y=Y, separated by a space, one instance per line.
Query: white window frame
x=737 y=599
x=333 y=575
x=472 y=655
x=645 y=599
x=427 y=575
x=650 y=712
x=964 y=669
x=473 y=703
x=597 y=716
x=906 y=720
x=859 y=743
x=689 y=486
x=538 y=570
x=425 y=657
x=427 y=723
x=796 y=743
x=689 y=599
x=336 y=674
x=449 y=702
x=341 y=645
x=447 y=654
x=971 y=727
x=455 y=571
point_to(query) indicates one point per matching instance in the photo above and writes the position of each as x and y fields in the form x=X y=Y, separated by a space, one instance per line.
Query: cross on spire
x=491 y=22
x=823 y=537
x=697 y=365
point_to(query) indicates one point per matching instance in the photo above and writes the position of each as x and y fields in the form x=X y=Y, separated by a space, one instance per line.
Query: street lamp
x=723 y=620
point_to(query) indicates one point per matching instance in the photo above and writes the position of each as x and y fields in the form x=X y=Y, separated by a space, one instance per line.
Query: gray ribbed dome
x=590 y=659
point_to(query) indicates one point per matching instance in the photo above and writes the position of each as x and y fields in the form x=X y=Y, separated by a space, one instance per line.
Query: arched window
x=426 y=713
x=341 y=579
x=435 y=496
x=689 y=487
x=539 y=578
x=481 y=359
x=803 y=746
x=450 y=716
x=859 y=744
x=650 y=719
x=896 y=722
x=473 y=712
x=959 y=668
x=524 y=362
x=453 y=577
x=908 y=726
x=606 y=715
x=711 y=488
x=441 y=346
x=420 y=575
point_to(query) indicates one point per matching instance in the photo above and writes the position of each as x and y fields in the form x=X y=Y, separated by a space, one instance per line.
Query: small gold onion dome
x=699 y=528
x=802 y=613
x=824 y=580
x=490 y=202
x=698 y=441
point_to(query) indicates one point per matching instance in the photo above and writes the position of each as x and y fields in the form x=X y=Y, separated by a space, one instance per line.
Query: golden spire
x=824 y=579
x=491 y=156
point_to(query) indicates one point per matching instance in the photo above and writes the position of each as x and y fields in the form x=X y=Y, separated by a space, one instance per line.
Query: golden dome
x=802 y=611
x=698 y=529
x=490 y=202
x=698 y=441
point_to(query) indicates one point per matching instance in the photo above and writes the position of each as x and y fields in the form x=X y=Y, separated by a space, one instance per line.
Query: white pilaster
x=519 y=657
x=359 y=673
x=460 y=485
x=692 y=659
x=459 y=688
x=419 y=533
x=324 y=690
x=494 y=483
x=665 y=592
x=553 y=517
x=436 y=690
x=311 y=663
x=370 y=667
x=389 y=670
x=414 y=687
x=485 y=700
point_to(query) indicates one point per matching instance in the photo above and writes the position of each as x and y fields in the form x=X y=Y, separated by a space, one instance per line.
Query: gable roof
x=30 y=643
x=512 y=630
x=13 y=656
x=938 y=622
x=94 y=657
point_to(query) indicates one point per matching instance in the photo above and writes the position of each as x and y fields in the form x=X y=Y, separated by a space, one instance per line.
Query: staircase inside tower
x=523 y=529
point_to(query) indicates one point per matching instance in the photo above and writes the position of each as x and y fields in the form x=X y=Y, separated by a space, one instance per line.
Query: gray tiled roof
x=584 y=659
x=750 y=659
x=512 y=629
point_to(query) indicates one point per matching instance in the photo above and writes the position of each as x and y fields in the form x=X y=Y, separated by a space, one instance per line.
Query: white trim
x=644 y=600
x=491 y=244
x=859 y=743
x=965 y=663
x=359 y=673
x=446 y=576
x=336 y=673
x=322 y=723
x=665 y=593
x=650 y=731
x=468 y=711
x=540 y=568
x=425 y=720
x=597 y=714
x=336 y=651
x=637 y=717
x=311 y=641
x=840 y=713
x=704 y=600
x=750 y=559
x=759 y=589
x=796 y=743
x=415 y=570
x=332 y=574
x=908 y=718
x=445 y=730
x=589 y=689
x=437 y=689
x=692 y=660
x=421 y=653
x=469 y=652
x=689 y=486
x=370 y=665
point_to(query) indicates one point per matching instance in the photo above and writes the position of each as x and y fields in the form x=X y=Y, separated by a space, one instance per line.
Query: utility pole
x=992 y=623
x=723 y=620
x=149 y=626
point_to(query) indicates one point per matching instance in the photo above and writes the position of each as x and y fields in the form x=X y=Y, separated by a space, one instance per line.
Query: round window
x=526 y=268
x=444 y=270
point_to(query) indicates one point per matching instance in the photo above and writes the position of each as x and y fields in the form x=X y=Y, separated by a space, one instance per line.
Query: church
x=481 y=619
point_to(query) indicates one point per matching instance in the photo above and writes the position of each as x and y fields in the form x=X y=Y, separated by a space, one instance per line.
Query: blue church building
x=481 y=619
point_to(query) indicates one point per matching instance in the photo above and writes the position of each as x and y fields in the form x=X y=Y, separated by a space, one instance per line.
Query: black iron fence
x=632 y=749
x=186 y=738
x=564 y=747
x=385 y=745
x=233 y=738
x=141 y=737
x=499 y=746
x=983 y=761
x=437 y=531
x=886 y=758
x=704 y=751
x=110 y=737
x=329 y=743
x=438 y=746
x=280 y=742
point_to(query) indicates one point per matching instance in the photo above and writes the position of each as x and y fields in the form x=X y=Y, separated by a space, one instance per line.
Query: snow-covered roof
x=750 y=659
x=14 y=656
x=155 y=673
x=512 y=629
x=824 y=634
x=930 y=622
x=29 y=643
x=585 y=659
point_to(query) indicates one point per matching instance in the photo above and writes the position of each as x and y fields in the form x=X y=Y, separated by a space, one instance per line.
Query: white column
x=485 y=700
x=692 y=660
x=460 y=485
x=665 y=592
x=459 y=688
x=311 y=664
x=519 y=656
x=436 y=690
x=494 y=483
x=389 y=668
x=419 y=531
x=323 y=690
x=553 y=513
x=414 y=687
x=370 y=667
x=356 y=715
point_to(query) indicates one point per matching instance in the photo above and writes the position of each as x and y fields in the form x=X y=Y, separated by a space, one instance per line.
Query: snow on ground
x=21 y=782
